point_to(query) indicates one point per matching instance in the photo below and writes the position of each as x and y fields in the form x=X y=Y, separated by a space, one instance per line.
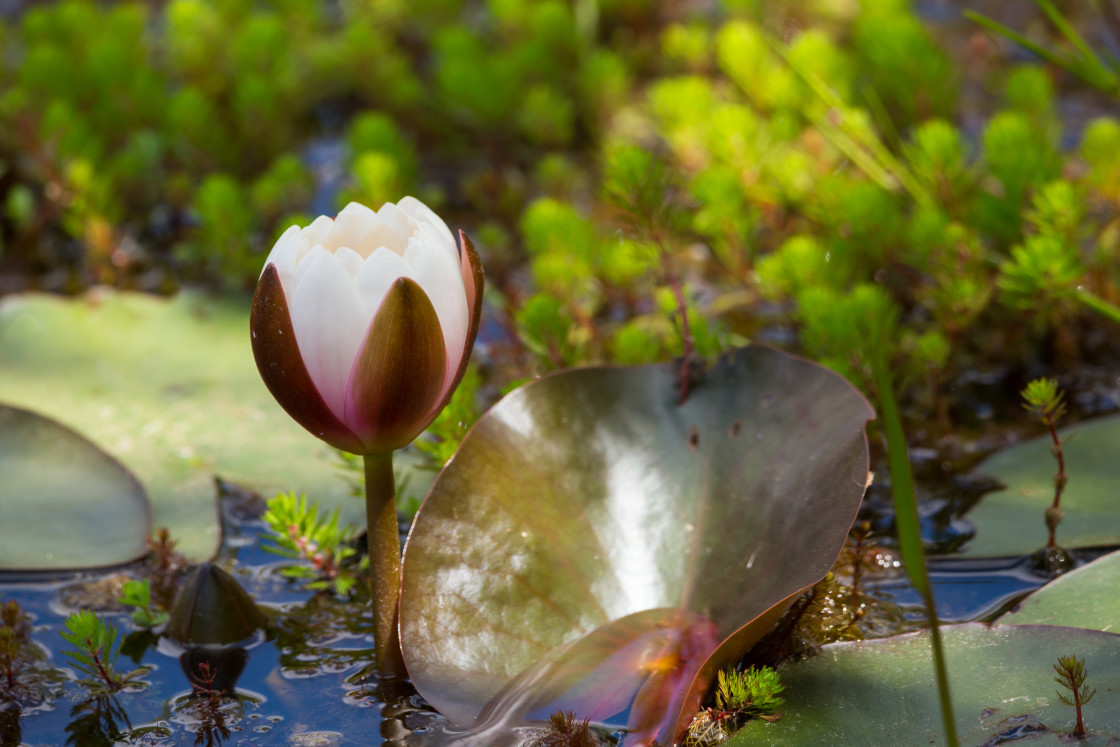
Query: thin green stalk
x=1099 y=305
x=384 y=561
x=909 y=530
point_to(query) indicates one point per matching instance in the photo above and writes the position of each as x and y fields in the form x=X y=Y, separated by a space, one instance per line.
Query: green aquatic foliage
x=840 y=328
x=1041 y=276
x=311 y=534
x=752 y=693
x=137 y=593
x=1100 y=150
x=907 y=70
x=687 y=46
x=938 y=158
x=547 y=329
x=1018 y=156
x=1071 y=676
x=454 y=420
x=95 y=650
x=1075 y=56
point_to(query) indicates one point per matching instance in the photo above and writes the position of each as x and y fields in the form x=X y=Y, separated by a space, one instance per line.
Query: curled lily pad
x=65 y=503
x=1088 y=597
x=1001 y=677
x=1011 y=521
x=591 y=536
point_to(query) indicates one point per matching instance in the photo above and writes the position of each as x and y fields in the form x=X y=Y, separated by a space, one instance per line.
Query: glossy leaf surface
x=170 y=388
x=65 y=503
x=1011 y=521
x=588 y=510
x=882 y=692
x=1088 y=597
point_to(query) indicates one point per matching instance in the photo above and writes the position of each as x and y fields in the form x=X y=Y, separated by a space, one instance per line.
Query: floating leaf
x=1011 y=521
x=65 y=502
x=1088 y=597
x=170 y=388
x=588 y=511
x=1002 y=680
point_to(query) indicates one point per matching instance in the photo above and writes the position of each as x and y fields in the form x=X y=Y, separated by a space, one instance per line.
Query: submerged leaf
x=592 y=545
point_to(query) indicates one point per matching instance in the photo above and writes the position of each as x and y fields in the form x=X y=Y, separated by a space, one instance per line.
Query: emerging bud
x=362 y=325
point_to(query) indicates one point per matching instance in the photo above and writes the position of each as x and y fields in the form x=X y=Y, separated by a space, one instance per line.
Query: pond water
x=307 y=681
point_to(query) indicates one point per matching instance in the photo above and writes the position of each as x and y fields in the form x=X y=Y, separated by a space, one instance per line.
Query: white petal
x=283 y=255
x=424 y=214
x=392 y=216
x=438 y=274
x=434 y=237
x=376 y=277
x=350 y=260
x=317 y=232
x=358 y=210
x=381 y=236
x=329 y=324
x=349 y=227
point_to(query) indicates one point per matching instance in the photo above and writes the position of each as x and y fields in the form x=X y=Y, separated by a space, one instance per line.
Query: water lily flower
x=362 y=326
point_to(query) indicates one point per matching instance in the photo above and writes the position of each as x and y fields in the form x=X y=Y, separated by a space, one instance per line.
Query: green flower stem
x=384 y=561
x=910 y=532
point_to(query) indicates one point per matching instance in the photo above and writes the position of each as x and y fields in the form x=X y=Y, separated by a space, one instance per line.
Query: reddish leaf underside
x=589 y=497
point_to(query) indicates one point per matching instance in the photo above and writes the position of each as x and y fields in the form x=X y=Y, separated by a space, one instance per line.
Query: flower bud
x=362 y=326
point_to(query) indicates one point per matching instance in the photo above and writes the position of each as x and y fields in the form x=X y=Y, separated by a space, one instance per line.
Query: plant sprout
x=1072 y=676
x=96 y=650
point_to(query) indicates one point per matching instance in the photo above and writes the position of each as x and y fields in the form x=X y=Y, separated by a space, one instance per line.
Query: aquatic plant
x=137 y=593
x=1043 y=399
x=96 y=650
x=1071 y=676
x=313 y=535
x=362 y=328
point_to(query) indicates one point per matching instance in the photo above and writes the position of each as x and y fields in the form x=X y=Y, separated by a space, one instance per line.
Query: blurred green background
x=812 y=174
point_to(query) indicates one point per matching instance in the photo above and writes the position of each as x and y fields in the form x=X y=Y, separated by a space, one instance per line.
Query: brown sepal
x=400 y=369
x=470 y=264
x=282 y=368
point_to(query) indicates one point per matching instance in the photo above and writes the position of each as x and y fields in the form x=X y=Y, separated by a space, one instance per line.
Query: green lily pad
x=1011 y=521
x=170 y=388
x=883 y=692
x=594 y=543
x=1088 y=597
x=49 y=471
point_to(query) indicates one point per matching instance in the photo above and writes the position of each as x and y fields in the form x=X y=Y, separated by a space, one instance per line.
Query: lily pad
x=49 y=472
x=1088 y=597
x=592 y=537
x=1011 y=521
x=883 y=692
x=170 y=388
